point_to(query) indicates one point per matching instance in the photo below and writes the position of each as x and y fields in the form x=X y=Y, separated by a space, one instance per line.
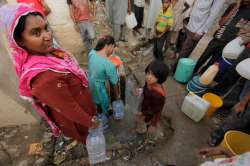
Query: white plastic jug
x=194 y=107
x=96 y=146
x=243 y=68
x=208 y=76
x=131 y=20
x=233 y=49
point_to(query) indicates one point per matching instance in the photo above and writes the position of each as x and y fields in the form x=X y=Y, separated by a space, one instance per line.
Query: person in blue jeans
x=83 y=19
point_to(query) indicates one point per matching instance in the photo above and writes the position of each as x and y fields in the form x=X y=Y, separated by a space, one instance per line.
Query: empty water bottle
x=96 y=146
x=118 y=109
x=103 y=121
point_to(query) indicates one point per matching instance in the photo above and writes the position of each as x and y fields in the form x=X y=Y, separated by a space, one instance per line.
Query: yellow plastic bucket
x=215 y=103
x=236 y=142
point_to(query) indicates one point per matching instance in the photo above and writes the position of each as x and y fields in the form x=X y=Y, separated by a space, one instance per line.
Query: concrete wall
x=13 y=110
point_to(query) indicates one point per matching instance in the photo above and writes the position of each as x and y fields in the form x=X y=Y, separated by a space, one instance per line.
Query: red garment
x=248 y=45
x=81 y=10
x=36 y=4
x=152 y=104
x=68 y=103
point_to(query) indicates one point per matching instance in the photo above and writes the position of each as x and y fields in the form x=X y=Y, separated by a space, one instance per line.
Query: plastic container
x=131 y=20
x=194 y=107
x=96 y=146
x=195 y=86
x=236 y=142
x=103 y=121
x=243 y=68
x=118 y=109
x=215 y=103
x=208 y=76
x=233 y=49
x=184 y=70
x=224 y=65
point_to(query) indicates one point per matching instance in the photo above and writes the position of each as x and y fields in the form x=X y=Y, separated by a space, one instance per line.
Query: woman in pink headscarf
x=48 y=77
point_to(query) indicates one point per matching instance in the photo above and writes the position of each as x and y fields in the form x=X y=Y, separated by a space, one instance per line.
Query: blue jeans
x=87 y=32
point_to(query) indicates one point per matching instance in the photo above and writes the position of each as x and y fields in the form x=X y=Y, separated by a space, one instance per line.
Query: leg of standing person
x=91 y=35
x=122 y=33
x=84 y=35
x=187 y=47
x=147 y=33
x=213 y=47
x=214 y=57
x=141 y=16
x=137 y=16
x=158 y=46
x=116 y=32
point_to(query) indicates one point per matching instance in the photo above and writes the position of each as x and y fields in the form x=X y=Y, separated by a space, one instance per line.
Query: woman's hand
x=208 y=152
x=95 y=123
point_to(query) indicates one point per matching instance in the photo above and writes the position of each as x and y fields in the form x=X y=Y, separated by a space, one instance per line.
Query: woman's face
x=150 y=78
x=36 y=38
x=110 y=49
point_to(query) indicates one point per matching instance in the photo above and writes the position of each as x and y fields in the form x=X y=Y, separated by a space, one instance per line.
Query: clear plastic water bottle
x=103 y=121
x=96 y=146
x=118 y=109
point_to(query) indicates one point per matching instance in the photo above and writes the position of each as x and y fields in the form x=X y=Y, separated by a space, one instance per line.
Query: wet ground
x=179 y=137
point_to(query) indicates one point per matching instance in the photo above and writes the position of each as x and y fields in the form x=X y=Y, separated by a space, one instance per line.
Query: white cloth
x=154 y=9
x=117 y=11
x=178 y=15
x=139 y=3
x=240 y=160
x=203 y=15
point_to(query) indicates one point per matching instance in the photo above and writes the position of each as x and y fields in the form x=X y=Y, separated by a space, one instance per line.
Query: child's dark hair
x=21 y=25
x=159 y=69
x=102 y=42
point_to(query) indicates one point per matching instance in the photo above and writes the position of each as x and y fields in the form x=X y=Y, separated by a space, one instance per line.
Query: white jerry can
x=194 y=107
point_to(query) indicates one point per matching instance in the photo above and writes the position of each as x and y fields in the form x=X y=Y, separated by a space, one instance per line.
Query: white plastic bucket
x=233 y=49
x=243 y=68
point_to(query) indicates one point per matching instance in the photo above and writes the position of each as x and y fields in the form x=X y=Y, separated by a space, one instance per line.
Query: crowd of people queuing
x=70 y=100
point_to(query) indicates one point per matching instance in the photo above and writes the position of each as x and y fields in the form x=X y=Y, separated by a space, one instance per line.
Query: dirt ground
x=179 y=137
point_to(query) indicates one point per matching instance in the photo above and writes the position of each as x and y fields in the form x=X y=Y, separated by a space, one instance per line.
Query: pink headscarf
x=27 y=67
